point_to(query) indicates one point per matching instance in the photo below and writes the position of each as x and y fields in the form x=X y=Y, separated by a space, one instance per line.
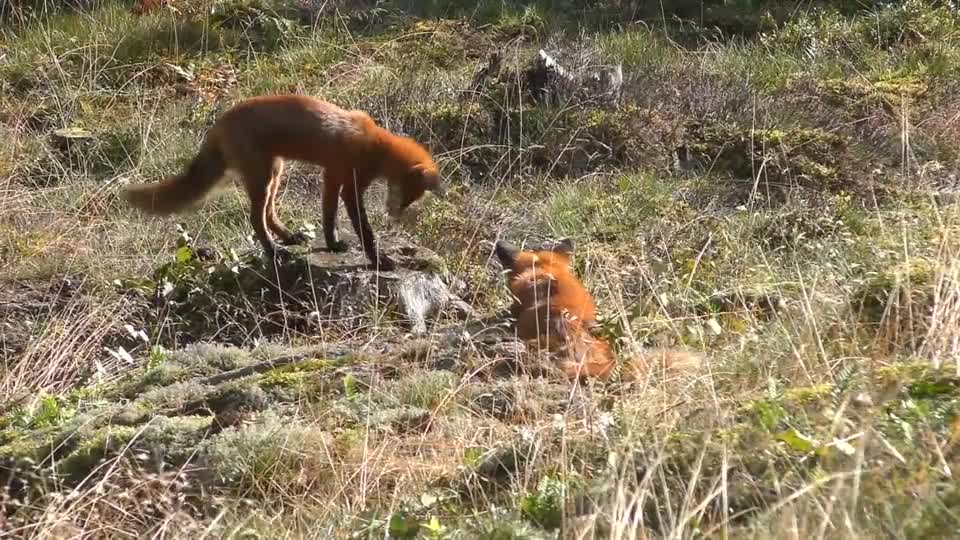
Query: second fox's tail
x=181 y=191
x=664 y=361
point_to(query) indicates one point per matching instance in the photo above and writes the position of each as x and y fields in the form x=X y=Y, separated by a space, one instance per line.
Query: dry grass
x=806 y=245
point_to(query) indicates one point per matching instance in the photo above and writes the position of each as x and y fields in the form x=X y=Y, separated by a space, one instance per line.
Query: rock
x=72 y=139
x=68 y=133
x=499 y=403
x=548 y=81
x=501 y=463
x=304 y=290
x=489 y=71
x=398 y=420
x=946 y=196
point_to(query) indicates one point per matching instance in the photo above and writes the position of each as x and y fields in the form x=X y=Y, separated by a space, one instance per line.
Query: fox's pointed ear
x=564 y=246
x=507 y=253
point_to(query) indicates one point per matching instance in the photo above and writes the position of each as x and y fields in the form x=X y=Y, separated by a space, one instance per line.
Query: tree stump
x=420 y=288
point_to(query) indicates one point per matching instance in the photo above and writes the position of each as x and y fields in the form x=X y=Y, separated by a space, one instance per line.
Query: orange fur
x=255 y=137
x=553 y=309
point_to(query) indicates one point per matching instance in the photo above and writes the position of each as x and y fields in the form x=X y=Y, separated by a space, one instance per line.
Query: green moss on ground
x=773 y=186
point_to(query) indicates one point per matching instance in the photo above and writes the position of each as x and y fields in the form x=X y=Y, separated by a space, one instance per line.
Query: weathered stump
x=419 y=289
x=549 y=82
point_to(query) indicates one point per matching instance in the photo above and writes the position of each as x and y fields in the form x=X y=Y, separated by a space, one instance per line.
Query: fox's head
x=419 y=179
x=517 y=261
x=411 y=172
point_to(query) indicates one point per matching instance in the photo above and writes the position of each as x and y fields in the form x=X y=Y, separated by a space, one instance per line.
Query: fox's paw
x=338 y=246
x=296 y=239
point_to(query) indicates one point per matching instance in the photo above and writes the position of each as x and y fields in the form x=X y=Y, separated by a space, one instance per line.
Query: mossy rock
x=801 y=407
x=32 y=445
x=237 y=396
x=499 y=464
x=195 y=360
x=271 y=453
x=311 y=381
x=423 y=389
x=939 y=513
x=561 y=142
x=902 y=372
x=201 y=291
x=521 y=400
x=470 y=125
x=808 y=394
x=168 y=399
x=577 y=141
x=173 y=441
x=90 y=451
x=930 y=402
x=887 y=92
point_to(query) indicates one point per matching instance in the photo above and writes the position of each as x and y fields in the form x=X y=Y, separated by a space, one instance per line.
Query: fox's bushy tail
x=667 y=361
x=182 y=191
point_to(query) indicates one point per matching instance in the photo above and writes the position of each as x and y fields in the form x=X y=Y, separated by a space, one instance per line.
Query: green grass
x=806 y=244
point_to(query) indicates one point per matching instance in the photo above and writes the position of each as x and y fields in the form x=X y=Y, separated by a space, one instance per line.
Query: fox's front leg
x=358 y=217
x=331 y=199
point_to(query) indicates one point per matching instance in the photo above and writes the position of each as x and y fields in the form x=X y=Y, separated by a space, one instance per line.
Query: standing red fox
x=555 y=310
x=255 y=137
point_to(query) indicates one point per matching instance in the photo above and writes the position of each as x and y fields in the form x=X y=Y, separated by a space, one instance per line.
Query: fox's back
x=551 y=279
x=549 y=296
x=296 y=127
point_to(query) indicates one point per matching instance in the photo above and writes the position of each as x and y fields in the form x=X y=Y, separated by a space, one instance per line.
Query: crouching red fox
x=553 y=309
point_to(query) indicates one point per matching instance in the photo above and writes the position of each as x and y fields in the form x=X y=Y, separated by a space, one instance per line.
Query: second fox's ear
x=507 y=253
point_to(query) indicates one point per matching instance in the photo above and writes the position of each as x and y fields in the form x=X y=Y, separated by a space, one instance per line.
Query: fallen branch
x=267 y=365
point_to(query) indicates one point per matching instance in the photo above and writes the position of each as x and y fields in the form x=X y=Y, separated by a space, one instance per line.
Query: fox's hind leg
x=257 y=175
x=274 y=223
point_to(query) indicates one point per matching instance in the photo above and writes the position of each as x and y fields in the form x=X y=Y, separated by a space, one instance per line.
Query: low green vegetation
x=773 y=185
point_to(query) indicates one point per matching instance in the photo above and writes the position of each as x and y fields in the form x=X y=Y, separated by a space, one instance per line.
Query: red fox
x=255 y=137
x=553 y=308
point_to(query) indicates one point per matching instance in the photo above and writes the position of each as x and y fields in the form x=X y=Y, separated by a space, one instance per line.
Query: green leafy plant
x=350 y=388
x=403 y=525
x=545 y=506
x=46 y=411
